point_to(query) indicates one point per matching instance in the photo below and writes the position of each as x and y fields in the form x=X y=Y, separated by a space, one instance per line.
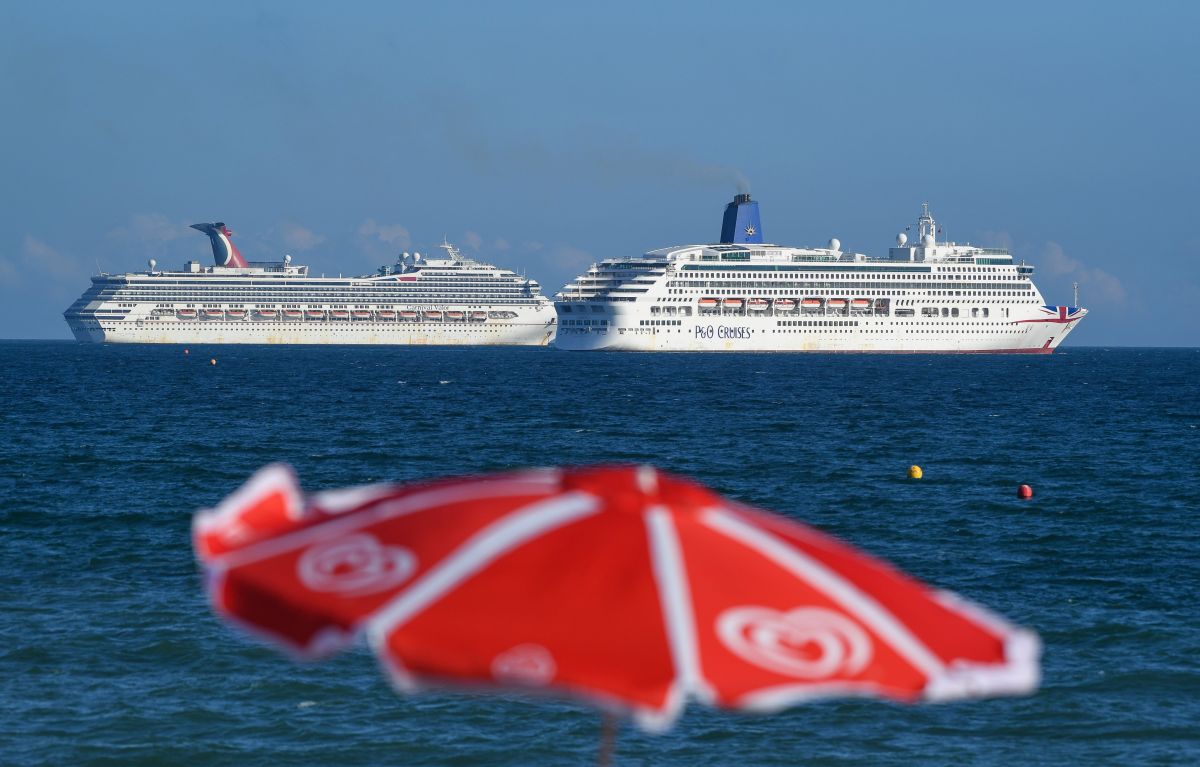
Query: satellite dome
x=927 y=241
x=835 y=244
x=287 y=259
x=152 y=264
x=901 y=240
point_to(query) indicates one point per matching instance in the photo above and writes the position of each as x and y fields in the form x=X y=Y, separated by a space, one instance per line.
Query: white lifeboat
x=478 y=316
x=360 y=314
x=386 y=314
x=860 y=303
x=315 y=314
x=811 y=303
x=433 y=315
x=836 y=303
x=785 y=304
x=214 y=314
x=235 y=314
x=266 y=314
x=757 y=304
x=408 y=315
x=707 y=303
x=340 y=314
x=186 y=314
x=733 y=303
x=292 y=314
x=454 y=315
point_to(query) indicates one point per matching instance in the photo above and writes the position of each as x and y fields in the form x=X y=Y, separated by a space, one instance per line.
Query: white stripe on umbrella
x=389 y=509
x=850 y=598
x=675 y=596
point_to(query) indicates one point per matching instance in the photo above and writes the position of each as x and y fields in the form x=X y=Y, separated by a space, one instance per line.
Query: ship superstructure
x=742 y=294
x=450 y=299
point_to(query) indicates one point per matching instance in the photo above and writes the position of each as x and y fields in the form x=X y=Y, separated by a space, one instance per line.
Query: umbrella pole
x=608 y=739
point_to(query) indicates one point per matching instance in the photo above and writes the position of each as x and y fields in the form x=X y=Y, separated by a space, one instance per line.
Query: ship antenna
x=1075 y=285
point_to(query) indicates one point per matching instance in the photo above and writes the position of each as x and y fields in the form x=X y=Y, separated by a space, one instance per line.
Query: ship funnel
x=741 y=223
x=224 y=251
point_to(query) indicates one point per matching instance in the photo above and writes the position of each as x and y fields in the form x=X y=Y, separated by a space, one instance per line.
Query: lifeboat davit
x=811 y=303
x=860 y=303
x=707 y=303
x=386 y=314
x=478 y=316
x=836 y=303
x=733 y=303
x=455 y=315
x=186 y=314
x=315 y=314
x=757 y=304
x=785 y=304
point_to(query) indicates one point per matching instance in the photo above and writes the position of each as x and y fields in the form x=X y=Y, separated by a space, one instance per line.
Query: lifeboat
x=406 y=315
x=315 y=314
x=455 y=315
x=266 y=314
x=339 y=314
x=707 y=303
x=860 y=303
x=292 y=314
x=214 y=314
x=836 y=303
x=360 y=314
x=186 y=314
x=733 y=303
x=811 y=303
x=478 y=316
x=433 y=315
x=785 y=304
x=757 y=304
x=235 y=314
x=386 y=314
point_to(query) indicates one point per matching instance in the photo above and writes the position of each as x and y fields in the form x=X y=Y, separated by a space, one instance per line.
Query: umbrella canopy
x=625 y=586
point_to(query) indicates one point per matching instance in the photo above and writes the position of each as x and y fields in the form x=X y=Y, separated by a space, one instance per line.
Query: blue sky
x=547 y=136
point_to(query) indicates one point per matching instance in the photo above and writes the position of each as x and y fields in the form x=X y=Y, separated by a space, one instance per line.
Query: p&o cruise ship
x=446 y=300
x=743 y=294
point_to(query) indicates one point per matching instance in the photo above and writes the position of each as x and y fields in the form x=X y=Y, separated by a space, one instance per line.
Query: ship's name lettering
x=721 y=331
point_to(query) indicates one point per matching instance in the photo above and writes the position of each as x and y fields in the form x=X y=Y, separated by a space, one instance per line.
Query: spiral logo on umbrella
x=355 y=564
x=806 y=642
x=525 y=664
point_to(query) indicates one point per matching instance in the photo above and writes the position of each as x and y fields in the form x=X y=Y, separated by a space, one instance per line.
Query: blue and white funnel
x=741 y=223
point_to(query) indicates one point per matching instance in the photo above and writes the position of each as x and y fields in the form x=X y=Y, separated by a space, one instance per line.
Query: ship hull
x=532 y=333
x=771 y=334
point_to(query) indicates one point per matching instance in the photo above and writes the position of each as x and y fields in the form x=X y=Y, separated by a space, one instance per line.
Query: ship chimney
x=741 y=223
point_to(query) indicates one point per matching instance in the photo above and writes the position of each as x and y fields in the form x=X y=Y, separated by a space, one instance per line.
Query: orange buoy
x=1025 y=491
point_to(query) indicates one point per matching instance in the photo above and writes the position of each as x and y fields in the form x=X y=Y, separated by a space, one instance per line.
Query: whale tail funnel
x=741 y=223
x=225 y=253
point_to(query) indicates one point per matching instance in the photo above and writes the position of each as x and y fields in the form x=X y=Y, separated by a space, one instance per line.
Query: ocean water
x=109 y=654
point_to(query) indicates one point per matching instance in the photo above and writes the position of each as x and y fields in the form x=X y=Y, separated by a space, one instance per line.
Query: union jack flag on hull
x=1060 y=314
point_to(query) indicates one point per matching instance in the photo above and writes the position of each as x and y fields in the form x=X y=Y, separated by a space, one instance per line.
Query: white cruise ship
x=446 y=300
x=742 y=294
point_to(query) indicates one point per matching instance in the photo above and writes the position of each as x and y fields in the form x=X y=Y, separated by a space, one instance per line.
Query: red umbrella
x=624 y=586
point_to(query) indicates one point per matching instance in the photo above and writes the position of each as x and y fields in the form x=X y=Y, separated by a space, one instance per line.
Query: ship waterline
x=449 y=300
x=742 y=294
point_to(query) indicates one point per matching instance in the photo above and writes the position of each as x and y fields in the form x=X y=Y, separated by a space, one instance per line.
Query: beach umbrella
x=623 y=586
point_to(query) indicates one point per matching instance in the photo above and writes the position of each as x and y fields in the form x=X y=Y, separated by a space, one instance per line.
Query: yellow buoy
x=914 y=472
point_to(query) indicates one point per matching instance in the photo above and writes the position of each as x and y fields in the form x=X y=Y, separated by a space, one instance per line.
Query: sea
x=110 y=654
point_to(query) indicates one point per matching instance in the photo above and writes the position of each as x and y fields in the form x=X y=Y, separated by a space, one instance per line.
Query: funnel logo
x=225 y=253
x=750 y=230
x=807 y=642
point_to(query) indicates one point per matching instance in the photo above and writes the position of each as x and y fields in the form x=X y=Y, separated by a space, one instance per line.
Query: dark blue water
x=109 y=654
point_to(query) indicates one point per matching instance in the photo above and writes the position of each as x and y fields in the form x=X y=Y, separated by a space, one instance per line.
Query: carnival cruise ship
x=742 y=294
x=450 y=299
